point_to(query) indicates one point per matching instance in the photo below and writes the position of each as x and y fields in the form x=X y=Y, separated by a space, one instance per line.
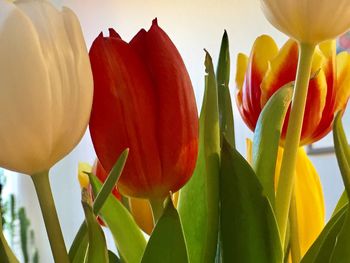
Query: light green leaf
x=321 y=250
x=6 y=254
x=341 y=251
x=97 y=249
x=343 y=201
x=167 y=243
x=249 y=230
x=199 y=199
x=78 y=249
x=342 y=151
x=224 y=97
x=266 y=139
x=127 y=235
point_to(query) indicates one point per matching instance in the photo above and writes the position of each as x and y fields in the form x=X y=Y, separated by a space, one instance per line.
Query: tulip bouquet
x=171 y=187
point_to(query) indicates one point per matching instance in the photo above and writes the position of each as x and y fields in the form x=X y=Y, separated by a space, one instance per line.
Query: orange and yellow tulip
x=269 y=68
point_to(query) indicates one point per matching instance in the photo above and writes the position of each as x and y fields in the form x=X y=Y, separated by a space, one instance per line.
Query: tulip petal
x=18 y=133
x=118 y=76
x=69 y=72
x=309 y=199
x=328 y=49
x=343 y=81
x=264 y=49
x=283 y=70
x=177 y=117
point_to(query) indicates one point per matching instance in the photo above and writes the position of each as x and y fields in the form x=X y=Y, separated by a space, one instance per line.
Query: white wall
x=192 y=25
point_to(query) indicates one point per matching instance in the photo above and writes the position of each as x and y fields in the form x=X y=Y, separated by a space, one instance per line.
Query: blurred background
x=192 y=25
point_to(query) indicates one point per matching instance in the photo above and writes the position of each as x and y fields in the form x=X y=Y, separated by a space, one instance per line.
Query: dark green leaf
x=322 y=248
x=266 y=139
x=224 y=97
x=127 y=235
x=97 y=250
x=113 y=258
x=249 y=231
x=78 y=249
x=199 y=199
x=167 y=243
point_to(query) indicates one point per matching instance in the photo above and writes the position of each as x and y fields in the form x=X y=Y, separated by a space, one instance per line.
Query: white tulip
x=309 y=21
x=46 y=85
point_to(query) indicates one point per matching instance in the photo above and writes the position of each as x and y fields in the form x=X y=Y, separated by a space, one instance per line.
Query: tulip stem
x=286 y=180
x=157 y=205
x=48 y=210
x=294 y=231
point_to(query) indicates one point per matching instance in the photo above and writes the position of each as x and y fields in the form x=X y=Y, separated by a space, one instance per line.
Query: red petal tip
x=155 y=22
x=100 y=35
x=113 y=33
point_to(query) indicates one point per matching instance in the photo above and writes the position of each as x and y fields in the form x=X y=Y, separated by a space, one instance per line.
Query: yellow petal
x=142 y=213
x=249 y=149
x=82 y=176
x=343 y=80
x=241 y=68
x=309 y=199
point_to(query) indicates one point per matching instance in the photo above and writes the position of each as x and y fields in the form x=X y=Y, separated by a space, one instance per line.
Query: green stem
x=294 y=231
x=157 y=206
x=47 y=205
x=286 y=180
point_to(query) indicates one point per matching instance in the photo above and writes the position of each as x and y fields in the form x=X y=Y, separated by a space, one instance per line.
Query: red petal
x=123 y=114
x=177 y=118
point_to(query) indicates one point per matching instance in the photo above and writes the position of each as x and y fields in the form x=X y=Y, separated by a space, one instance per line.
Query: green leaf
x=321 y=250
x=249 y=230
x=78 y=249
x=341 y=252
x=127 y=235
x=342 y=151
x=6 y=254
x=224 y=97
x=113 y=258
x=97 y=250
x=200 y=219
x=266 y=139
x=167 y=243
x=343 y=201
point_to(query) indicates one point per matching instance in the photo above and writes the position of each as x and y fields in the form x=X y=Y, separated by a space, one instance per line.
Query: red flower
x=267 y=69
x=143 y=100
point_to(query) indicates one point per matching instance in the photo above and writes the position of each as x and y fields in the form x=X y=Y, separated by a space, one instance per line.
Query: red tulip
x=268 y=68
x=143 y=100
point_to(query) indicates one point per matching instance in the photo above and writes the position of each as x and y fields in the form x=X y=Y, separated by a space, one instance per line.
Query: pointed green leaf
x=321 y=250
x=127 y=235
x=113 y=258
x=343 y=201
x=6 y=254
x=266 y=139
x=248 y=227
x=342 y=151
x=200 y=221
x=97 y=249
x=78 y=249
x=224 y=97
x=167 y=243
x=341 y=252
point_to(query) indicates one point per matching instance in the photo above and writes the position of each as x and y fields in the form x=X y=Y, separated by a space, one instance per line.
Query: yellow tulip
x=308 y=21
x=308 y=195
x=46 y=85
